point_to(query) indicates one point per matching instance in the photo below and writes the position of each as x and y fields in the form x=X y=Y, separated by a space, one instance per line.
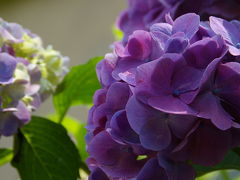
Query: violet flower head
x=29 y=73
x=165 y=90
x=140 y=14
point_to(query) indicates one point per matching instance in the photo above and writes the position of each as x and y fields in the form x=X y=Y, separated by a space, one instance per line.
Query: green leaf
x=6 y=156
x=118 y=34
x=77 y=87
x=209 y=176
x=231 y=161
x=43 y=150
x=78 y=130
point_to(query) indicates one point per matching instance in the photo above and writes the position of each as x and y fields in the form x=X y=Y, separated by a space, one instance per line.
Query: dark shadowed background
x=80 y=29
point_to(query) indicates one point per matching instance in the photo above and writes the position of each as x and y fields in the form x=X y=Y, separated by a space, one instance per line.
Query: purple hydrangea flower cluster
x=28 y=75
x=169 y=99
x=141 y=14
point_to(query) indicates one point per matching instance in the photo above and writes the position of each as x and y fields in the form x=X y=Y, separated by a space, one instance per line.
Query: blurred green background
x=80 y=29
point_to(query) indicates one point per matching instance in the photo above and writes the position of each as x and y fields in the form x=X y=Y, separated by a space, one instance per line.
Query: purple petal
x=202 y=52
x=8 y=36
x=214 y=111
x=117 y=95
x=121 y=130
x=207 y=141
x=98 y=174
x=150 y=124
x=186 y=79
x=170 y=104
x=226 y=29
x=164 y=70
x=159 y=28
x=120 y=49
x=155 y=15
x=228 y=81
x=236 y=23
x=116 y=160
x=125 y=69
x=208 y=75
x=138 y=114
x=8 y=124
x=176 y=45
x=188 y=23
x=181 y=124
x=157 y=48
x=155 y=134
x=160 y=37
x=104 y=71
x=176 y=170
x=36 y=102
x=129 y=76
x=227 y=87
x=7 y=68
x=152 y=171
x=139 y=44
x=100 y=115
x=16 y=30
x=143 y=77
x=99 y=97
x=23 y=113
x=235 y=51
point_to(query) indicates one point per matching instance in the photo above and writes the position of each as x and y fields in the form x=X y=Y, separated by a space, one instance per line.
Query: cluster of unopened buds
x=170 y=96
x=29 y=73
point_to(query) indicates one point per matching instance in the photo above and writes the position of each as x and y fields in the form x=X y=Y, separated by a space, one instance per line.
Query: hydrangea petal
x=213 y=111
x=217 y=144
x=202 y=52
x=155 y=134
x=138 y=114
x=170 y=104
x=117 y=160
x=120 y=128
x=188 y=23
x=8 y=124
x=180 y=125
x=97 y=174
x=152 y=171
x=176 y=170
x=7 y=67
x=226 y=29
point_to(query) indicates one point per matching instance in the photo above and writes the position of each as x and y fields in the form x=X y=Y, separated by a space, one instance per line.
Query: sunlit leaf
x=78 y=130
x=43 y=150
x=5 y=156
x=77 y=87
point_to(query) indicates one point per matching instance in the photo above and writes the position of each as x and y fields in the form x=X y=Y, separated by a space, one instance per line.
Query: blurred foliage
x=231 y=161
x=10 y=2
